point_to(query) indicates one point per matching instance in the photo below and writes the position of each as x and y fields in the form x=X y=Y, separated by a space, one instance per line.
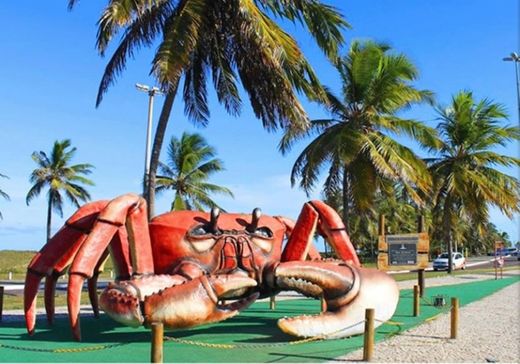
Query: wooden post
x=420 y=281
x=420 y=224
x=420 y=275
x=1 y=301
x=272 y=303
x=157 y=342
x=454 y=317
x=495 y=263
x=416 y=301
x=10 y=276
x=323 y=304
x=368 y=337
x=381 y=226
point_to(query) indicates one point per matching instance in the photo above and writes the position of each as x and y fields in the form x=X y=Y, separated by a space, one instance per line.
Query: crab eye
x=199 y=230
x=201 y=238
x=263 y=232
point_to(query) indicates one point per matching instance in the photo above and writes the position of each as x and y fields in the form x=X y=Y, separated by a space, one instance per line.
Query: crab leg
x=312 y=252
x=128 y=208
x=92 y=284
x=49 y=294
x=54 y=257
x=316 y=215
x=348 y=291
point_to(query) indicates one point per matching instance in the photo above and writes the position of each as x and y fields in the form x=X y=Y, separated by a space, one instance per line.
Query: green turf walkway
x=255 y=327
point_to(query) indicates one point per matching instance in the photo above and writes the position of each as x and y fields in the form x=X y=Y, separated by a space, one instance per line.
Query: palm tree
x=401 y=216
x=355 y=144
x=464 y=173
x=190 y=164
x=229 y=42
x=3 y=194
x=56 y=173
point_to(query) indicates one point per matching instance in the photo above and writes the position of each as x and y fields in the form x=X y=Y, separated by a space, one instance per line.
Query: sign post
x=404 y=251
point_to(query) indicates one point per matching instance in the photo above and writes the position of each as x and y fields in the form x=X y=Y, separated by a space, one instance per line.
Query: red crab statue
x=187 y=268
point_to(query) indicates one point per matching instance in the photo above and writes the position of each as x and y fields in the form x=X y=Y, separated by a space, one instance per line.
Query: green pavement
x=252 y=336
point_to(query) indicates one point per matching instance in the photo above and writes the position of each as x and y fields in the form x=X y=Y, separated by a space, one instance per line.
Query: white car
x=459 y=262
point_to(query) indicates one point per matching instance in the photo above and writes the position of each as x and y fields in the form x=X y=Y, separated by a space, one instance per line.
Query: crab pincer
x=348 y=292
x=176 y=302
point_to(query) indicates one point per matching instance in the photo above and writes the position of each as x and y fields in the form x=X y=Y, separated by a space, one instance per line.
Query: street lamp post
x=151 y=91
x=514 y=57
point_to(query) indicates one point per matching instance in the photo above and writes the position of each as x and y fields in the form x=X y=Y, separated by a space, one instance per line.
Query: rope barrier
x=63 y=350
x=201 y=344
x=296 y=342
x=229 y=346
x=263 y=345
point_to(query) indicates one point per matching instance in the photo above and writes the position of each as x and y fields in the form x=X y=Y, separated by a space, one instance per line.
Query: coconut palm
x=355 y=144
x=465 y=177
x=226 y=42
x=190 y=164
x=3 y=194
x=61 y=178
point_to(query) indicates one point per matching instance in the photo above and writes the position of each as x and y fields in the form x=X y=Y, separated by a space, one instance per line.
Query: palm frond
x=140 y=33
x=180 y=35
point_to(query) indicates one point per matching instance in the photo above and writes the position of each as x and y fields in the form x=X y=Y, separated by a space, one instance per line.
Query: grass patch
x=16 y=262
x=15 y=302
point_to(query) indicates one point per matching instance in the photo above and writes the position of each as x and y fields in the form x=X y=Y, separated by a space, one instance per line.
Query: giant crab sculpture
x=187 y=268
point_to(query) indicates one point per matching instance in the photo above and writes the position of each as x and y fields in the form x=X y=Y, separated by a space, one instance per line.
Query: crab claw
x=197 y=301
x=348 y=292
x=175 y=301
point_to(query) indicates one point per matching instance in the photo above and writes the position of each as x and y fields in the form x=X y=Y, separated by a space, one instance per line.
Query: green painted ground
x=256 y=328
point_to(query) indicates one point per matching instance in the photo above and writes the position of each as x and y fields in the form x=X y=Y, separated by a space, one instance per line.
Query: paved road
x=487 y=262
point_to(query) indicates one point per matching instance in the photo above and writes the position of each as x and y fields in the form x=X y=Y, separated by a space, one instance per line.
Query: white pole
x=151 y=91
x=517 y=87
x=148 y=138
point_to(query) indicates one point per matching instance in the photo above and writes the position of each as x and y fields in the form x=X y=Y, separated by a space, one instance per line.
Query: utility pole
x=151 y=91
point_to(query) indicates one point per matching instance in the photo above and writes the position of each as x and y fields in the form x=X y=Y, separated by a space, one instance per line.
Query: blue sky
x=50 y=72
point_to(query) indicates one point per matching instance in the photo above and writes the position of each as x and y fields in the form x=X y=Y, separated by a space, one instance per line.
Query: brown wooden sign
x=403 y=251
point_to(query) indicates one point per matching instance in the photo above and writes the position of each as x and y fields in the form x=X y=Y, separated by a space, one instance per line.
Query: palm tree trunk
x=156 y=149
x=446 y=222
x=49 y=214
x=345 y=196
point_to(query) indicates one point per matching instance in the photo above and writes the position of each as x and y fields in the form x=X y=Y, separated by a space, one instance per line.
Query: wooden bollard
x=368 y=336
x=272 y=303
x=420 y=279
x=1 y=301
x=454 y=317
x=323 y=304
x=416 y=301
x=157 y=342
x=421 y=228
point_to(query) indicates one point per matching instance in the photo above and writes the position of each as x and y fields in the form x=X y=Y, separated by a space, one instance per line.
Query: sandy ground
x=489 y=331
